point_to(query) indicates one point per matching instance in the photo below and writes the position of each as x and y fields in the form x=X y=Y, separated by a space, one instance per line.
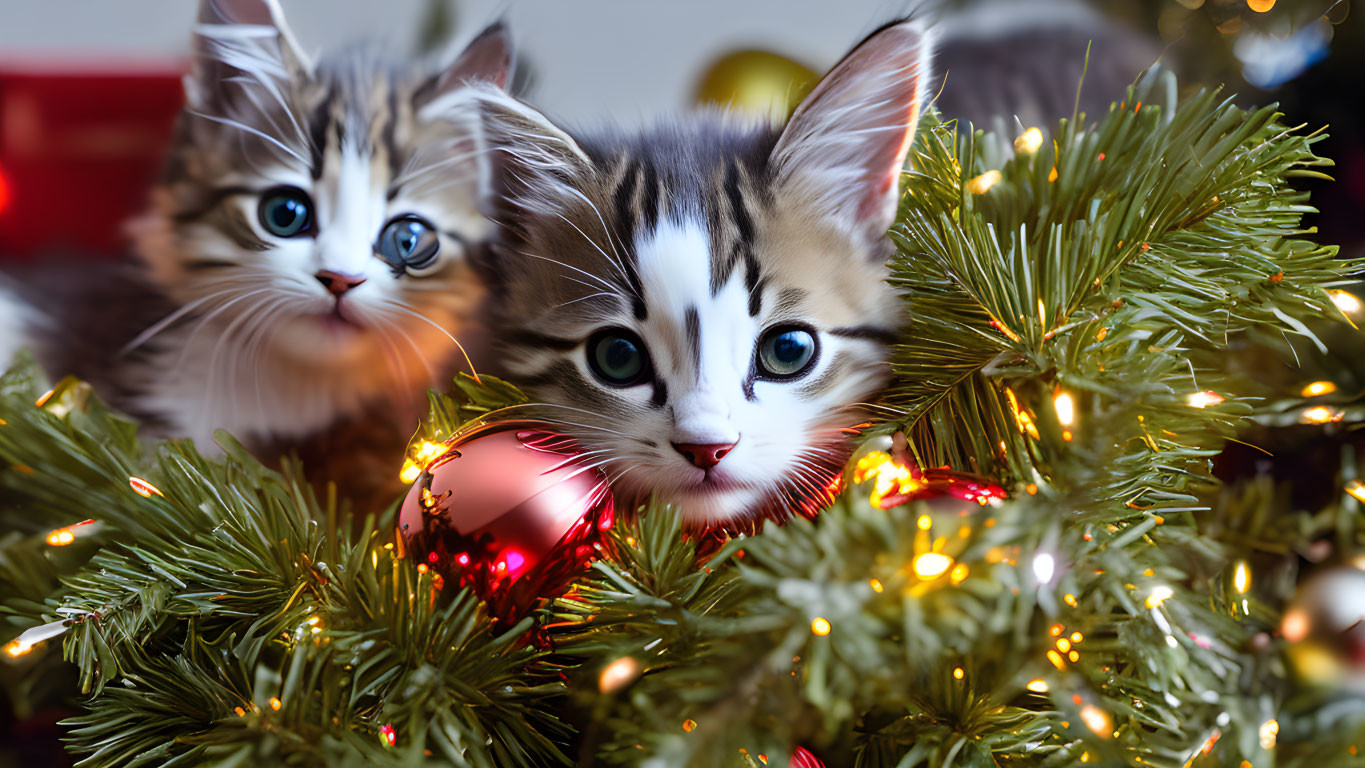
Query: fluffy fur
x=697 y=238
x=253 y=335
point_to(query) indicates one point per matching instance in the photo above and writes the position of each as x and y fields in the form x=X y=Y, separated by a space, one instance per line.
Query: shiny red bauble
x=510 y=511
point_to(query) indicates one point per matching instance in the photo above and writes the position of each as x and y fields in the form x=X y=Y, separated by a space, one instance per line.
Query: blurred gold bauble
x=757 y=82
x=1325 y=627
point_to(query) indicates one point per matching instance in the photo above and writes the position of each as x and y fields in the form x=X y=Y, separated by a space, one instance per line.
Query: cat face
x=320 y=212
x=703 y=306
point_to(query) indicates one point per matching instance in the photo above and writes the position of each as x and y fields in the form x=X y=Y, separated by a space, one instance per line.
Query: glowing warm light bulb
x=1241 y=577
x=61 y=537
x=1160 y=594
x=876 y=585
x=689 y=726
x=1268 y=731
x=143 y=488
x=1097 y=720
x=1320 y=415
x=1065 y=405
x=931 y=565
x=1295 y=625
x=1356 y=489
x=17 y=648
x=959 y=673
x=1318 y=388
x=1044 y=566
x=618 y=674
x=1260 y=6
x=1203 y=399
x=275 y=704
x=1038 y=685
x=1345 y=301
x=820 y=626
x=1029 y=141
x=982 y=184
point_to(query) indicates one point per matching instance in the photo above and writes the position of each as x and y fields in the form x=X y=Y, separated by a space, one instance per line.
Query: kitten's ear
x=845 y=145
x=536 y=162
x=487 y=59
x=238 y=44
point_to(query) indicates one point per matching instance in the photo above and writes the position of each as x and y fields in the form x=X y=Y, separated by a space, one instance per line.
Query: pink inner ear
x=853 y=131
x=875 y=204
x=488 y=59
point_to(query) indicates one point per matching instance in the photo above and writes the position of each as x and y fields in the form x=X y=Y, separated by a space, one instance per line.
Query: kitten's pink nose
x=704 y=456
x=338 y=283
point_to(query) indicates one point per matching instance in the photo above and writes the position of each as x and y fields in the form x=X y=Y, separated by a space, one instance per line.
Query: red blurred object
x=802 y=758
x=79 y=148
x=508 y=511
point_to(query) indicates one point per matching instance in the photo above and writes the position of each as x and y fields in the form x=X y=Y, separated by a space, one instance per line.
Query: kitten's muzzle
x=704 y=456
x=338 y=283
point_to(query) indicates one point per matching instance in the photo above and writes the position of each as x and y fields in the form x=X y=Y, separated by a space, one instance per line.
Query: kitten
x=704 y=305
x=306 y=256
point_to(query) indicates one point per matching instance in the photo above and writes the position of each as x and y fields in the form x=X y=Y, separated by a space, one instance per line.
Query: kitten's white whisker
x=406 y=309
x=620 y=268
x=254 y=132
x=166 y=321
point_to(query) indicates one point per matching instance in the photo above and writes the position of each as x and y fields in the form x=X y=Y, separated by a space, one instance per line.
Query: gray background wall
x=628 y=58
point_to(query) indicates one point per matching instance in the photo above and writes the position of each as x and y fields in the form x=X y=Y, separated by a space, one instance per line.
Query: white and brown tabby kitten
x=704 y=305
x=306 y=253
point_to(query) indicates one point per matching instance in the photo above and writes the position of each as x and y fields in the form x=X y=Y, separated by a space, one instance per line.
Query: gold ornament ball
x=1325 y=629
x=755 y=81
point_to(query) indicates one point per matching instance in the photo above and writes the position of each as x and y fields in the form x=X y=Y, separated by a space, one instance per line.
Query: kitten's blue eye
x=617 y=357
x=409 y=244
x=286 y=212
x=786 y=351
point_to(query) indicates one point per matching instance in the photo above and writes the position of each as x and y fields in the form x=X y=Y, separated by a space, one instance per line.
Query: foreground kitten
x=306 y=250
x=704 y=305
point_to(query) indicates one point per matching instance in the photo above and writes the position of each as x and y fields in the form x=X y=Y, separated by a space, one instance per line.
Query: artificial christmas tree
x=1076 y=306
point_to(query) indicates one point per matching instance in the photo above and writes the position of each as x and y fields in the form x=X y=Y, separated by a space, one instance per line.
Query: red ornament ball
x=508 y=510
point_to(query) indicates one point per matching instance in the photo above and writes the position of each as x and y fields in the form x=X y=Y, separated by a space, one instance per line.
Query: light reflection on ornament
x=820 y=626
x=1241 y=577
x=387 y=735
x=425 y=454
